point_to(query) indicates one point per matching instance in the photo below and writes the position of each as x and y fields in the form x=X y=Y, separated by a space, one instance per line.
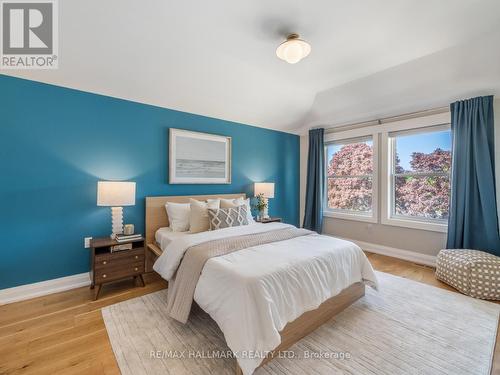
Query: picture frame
x=199 y=158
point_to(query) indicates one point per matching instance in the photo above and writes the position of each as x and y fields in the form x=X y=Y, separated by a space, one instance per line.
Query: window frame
x=380 y=184
x=371 y=217
x=389 y=216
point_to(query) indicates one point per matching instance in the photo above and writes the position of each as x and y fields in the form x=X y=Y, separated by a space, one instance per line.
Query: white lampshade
x=264 y=188
x=293 y=49
x=115 y=193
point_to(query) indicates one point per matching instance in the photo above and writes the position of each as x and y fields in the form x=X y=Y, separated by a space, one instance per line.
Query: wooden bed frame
x=156 y=217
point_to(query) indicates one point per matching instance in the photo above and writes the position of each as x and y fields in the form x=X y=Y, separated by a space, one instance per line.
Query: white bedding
x=167 y=263
x=164 y=236
x=253 y=293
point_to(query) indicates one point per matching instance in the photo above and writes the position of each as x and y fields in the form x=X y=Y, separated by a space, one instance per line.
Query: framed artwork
x=199 y=158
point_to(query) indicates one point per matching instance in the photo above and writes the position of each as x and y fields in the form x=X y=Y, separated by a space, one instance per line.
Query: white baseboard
x=42 y=288
x=411 y=256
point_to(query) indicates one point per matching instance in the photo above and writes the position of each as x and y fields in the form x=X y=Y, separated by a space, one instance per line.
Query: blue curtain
x=313 y=218
x=473 y=221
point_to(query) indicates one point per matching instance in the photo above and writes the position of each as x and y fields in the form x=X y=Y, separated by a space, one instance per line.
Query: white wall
x=463 y=71
x=420 y=241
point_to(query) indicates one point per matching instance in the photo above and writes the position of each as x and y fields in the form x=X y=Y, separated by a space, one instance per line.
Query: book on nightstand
x=125 y=246
x=125 y=238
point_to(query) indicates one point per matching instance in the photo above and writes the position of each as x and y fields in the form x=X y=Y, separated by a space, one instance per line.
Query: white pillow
x=229 y=203
x=249 y=209
x=178 y=216
x=198 y=218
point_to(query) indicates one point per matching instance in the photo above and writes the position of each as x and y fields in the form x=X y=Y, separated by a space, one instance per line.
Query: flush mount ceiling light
x=293 y=49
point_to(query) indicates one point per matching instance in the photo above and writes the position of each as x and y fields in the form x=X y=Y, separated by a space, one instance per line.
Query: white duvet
x=253 y=293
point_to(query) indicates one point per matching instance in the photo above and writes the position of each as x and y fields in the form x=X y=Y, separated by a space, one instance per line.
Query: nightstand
x=269 y=220
x=108 y=265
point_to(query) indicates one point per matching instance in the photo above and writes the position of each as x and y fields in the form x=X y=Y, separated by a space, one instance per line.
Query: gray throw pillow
x=227 y=217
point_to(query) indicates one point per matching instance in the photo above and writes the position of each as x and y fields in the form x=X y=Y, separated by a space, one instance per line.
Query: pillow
x=227 y=203
x=228 y=217
x=178 y=216
x=198 y=218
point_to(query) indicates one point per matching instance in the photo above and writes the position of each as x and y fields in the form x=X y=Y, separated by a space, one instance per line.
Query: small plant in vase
x=260 y=205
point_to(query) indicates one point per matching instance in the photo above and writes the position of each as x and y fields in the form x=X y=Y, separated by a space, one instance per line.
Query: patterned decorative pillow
x=227 y=217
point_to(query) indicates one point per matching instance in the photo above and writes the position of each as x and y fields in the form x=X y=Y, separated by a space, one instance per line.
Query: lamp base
x=116 y=221
x=265 y=211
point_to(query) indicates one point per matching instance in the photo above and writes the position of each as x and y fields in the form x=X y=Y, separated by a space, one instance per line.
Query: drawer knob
x=136 y=269
x=104 y=262
x=104 y=276
x=137 y=257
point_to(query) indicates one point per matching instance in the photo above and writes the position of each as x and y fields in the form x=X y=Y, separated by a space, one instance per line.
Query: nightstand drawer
x=113 y=273
x=119 y=261
x=119 y=254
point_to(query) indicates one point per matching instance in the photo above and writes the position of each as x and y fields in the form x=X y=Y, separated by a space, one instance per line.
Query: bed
x=267 y=296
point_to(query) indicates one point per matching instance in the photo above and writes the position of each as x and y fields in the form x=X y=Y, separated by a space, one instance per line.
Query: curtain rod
x=384 y=120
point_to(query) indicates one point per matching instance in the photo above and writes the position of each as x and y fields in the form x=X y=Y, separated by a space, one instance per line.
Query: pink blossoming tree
x=425 y=196
x=415 y=195
x=351 y=193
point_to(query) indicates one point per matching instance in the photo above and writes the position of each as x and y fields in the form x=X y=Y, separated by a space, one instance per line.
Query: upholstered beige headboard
x=156 y=217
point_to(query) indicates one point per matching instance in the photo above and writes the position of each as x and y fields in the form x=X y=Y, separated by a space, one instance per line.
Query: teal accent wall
x=56 y=143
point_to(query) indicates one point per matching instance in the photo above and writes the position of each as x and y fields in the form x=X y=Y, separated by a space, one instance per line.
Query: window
x=350 y=181
x=419 y=175
x=413 y=176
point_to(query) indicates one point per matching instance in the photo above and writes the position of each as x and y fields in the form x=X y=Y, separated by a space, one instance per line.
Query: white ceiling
x=217 y=58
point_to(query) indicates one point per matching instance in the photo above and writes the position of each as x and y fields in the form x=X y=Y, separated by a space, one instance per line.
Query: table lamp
x=267 y=191
x=116 y=194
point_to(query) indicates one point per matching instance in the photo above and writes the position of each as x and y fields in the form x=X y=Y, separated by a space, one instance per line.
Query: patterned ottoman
x=472 y=272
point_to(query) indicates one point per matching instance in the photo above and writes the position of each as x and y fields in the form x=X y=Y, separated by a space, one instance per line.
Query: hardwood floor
x=64 y=333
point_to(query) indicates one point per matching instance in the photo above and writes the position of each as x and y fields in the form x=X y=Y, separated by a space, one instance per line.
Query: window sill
x=347 y=216
x=416 y=224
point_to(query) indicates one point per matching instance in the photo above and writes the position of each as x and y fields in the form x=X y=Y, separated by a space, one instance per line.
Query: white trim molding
x=43 y=288
x=413 y=123
x=414 y=224
x=369 y=218
x=417 y=125
x=411 y=256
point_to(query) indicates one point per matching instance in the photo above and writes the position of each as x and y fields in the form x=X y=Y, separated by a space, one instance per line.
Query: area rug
x=405 y=328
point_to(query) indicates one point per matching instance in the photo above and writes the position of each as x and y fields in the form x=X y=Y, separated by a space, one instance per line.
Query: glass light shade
x=264 y=188
x=293 y=50
x=115 y=193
